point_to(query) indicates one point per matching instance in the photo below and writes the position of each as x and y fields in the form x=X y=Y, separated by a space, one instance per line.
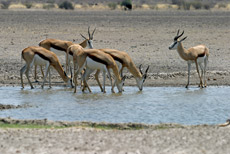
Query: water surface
x=153 y=105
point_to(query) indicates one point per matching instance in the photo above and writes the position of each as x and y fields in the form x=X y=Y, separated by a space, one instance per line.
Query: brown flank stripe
x=42 y=56
x=201 y=55
x=97 y=59
x=57 y=47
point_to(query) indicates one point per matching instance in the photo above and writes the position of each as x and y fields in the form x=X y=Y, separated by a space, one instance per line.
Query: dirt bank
x=146 y=36
x=81 y=139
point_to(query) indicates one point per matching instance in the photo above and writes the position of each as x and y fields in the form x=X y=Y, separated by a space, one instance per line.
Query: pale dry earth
x=146 y=36
x=160 y=139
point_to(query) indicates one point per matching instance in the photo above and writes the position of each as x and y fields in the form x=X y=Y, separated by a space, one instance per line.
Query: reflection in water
x=153 y=105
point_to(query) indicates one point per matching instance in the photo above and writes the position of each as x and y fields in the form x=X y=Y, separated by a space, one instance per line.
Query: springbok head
x=140 y=81
x=176 y=41
x=90 y=39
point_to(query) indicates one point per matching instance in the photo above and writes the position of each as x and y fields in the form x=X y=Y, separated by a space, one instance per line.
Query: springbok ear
x=183 y=39
x=83 y=36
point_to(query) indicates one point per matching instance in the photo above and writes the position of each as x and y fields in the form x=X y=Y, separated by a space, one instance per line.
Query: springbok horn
x=147 y=70
x=89 y=32
x=179 y=36
x=140 y=69
x=92 y=34
x=178 y=32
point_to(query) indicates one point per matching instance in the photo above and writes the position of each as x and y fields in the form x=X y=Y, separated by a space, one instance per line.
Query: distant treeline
x=91 y=2
x=116 y=4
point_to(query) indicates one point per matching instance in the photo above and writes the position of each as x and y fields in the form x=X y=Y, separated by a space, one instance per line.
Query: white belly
x=119 y=65
x=58 y=52
x=95 y=65
x=70 y=57
x=40 y=61
x=199 y=60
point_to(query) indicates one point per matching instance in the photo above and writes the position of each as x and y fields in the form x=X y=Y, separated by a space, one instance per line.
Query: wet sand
x=146 y=36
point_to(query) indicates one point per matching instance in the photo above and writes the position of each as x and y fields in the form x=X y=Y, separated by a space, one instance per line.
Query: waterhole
x=153 y=105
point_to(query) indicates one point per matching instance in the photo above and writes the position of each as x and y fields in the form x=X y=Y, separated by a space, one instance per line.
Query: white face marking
x=40 y=61
x=90 y=44
x=140 y=82
x=120 y=85
x=173 y=46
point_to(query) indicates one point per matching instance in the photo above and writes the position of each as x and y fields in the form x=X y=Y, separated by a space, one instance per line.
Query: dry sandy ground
x=146 y=36
x=85 y=140
x=164 y=138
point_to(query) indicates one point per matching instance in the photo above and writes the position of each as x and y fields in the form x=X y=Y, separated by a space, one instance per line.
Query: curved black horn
x=147 y=70
x=89 y=32
x=179 y=35
x=92 y=34
x=140 y=69
x=83 y=36
x=178 y=32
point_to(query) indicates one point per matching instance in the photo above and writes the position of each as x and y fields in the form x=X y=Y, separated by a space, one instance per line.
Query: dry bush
x=17 y=6
x=145 y=6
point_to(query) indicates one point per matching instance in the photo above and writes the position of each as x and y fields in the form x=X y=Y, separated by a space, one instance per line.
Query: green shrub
x=51 y=1
x=127 y=4
x=178 y=2
x=196 y=4
x=5 y=4
x=112 y=6
x=187 y=5
x=28 y=5
x=66 y=5
x=207 y=6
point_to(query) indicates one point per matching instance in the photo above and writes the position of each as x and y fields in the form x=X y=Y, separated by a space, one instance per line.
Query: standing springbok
x=198 y=54
x=125 y=60
x=60 y=46
x=40 y=56
x=94 y=59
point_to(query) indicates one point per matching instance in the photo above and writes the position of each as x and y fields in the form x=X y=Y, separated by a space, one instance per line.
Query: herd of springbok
x=85 y=61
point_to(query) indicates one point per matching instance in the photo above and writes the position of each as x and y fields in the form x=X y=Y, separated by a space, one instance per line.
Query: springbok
x=60 y=46
x=94 y=59
x=40 y=56
x=122 y=58
x=198 y=54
